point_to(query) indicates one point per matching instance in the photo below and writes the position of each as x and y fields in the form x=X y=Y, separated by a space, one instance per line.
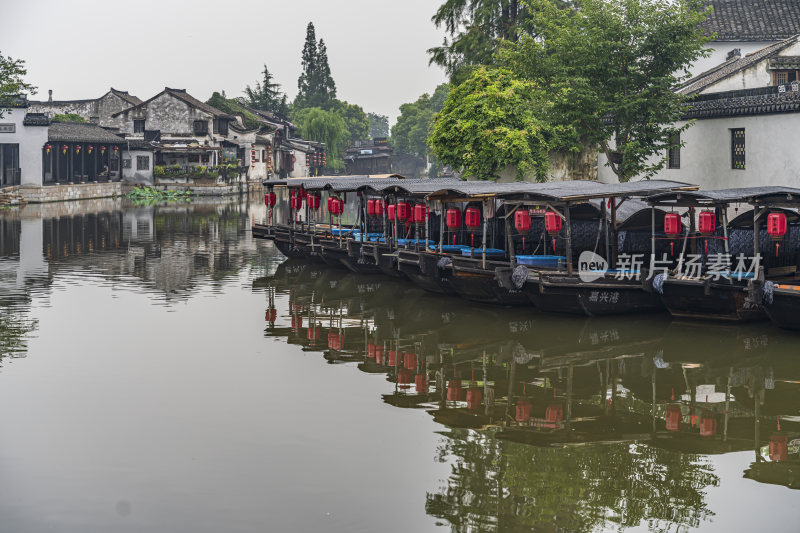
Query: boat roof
x=772 y=195
x=336 y=183
x=559 y=191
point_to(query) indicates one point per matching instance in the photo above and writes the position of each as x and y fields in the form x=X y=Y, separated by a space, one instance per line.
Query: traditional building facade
x=369 y=157
x=744 y=114
x=95 y=111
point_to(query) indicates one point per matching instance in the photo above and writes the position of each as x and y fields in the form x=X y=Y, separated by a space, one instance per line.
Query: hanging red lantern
x=313 y=201
x=391 y=211
x=776 y=227
x=47 y=148
x=371 y=350
x=335 y=206
x=553 y=223
x=335 y=341
x=404 y=377
x=474 y=397
x=102 y=150
x=472 y=218
x=116 y=149
x=523 y=411
x=89 y=149
x=672 y=225
x=297 y=323
x=707 y=222
x=308 y=160
x=392 y=358
x=554 y=413
x=64 y=149
x=522 y=220
x=379 y=355
x=271 y=315
x=453 y=219
x=454 y=390
x=77 y=148
x=313 y=334
x=672 y=417
x=778 y=448
x=410 y=361
x=708 y=425
x=403 y=211
x=421 y=383
x=371 y=207
x=270 y=199
x=420 y=213
x=379 y=207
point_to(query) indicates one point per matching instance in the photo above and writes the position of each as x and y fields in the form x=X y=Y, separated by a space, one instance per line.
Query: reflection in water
x=572 y=424
x=545 y=423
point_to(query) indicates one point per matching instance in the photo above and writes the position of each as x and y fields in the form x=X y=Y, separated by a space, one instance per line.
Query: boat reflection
x=624 y=411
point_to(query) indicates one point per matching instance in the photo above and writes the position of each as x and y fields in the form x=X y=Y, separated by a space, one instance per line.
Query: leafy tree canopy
x=267 y=95
x=325 y=126
x=68 y=117
x=354 y=118
x=233 y=106
x=12 y=82
x=610 y=69
x=493 y=121
x=378 y=125
x=410 y=132
x=315 y=85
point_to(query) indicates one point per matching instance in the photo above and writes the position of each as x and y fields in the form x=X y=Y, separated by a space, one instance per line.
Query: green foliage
x=149 y=195
x=315 y=85
x=68 y=117
x=410 y=133
x=267 y=95
x=234 y=107
x=354 y=118
x=610 y=69
x=329 y=127
x=12 y=83
x=378 y=125
x=493 y=121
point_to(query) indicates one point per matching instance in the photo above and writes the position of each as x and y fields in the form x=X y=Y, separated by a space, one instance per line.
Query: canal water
x=161 y=370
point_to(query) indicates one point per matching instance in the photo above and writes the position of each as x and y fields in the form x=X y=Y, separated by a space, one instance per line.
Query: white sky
x=376 y=48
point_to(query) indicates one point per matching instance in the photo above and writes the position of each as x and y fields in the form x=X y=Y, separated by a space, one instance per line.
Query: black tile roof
x=35 y=119
x=80 y=132
x=733 y=65
x=747 y=102
x=185 y=97
x=754 y=20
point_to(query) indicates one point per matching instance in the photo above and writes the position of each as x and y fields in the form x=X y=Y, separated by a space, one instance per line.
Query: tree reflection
x=506 y=486
x=14 y=330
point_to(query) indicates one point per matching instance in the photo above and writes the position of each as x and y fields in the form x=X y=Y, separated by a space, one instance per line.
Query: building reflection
x=557 y=423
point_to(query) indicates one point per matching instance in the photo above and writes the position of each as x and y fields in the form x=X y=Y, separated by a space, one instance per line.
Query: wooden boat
x=784 y=308
x=730 y=295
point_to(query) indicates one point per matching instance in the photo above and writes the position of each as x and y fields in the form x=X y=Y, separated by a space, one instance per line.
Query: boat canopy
x=783 y=196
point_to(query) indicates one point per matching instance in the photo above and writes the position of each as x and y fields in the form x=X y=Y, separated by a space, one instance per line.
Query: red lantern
x=707 y=222
x=298 y=202
x=403 y=211
x=335 y=207
x=270 y=199
x=553 y=223
x=672 y=417
x=312 y=201
x=297 y=322
x=420 y=213
x=77 y=148
x=271 y=315
x=778 y=448
x=474 y=398
x=454 y=390
x=421 y=383
x=371 y=350
x=523 y=411
x=453 y=219
x=308 y=160
x=371 y=207
x=335 y=341
x=47 y=148
x=313 y=334
x=64 y=149
x=391 y=211
x=379 y=354
x=116 y=149
x=404 y=377
x=102 y=150
x=708 y=425
x=392 y=358
x=776 y=225
x=522 y=221
x=89 y=149
x=472 y=218
x=410 y=361
x=554 y=413
x=672 y=224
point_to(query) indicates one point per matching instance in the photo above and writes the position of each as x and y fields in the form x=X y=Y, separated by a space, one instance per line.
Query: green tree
x=410 y=132
x=233 y=106
x=315 y=85
x=325 y=126
x=493 y=121
x=354 y=118
x=267 y=95
x=611 y=69
x=68 y=117
x=378 y=125
x=12 y=82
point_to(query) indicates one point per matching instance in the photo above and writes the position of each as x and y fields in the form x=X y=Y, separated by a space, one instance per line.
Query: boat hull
x=423 y=269
x=784 y=311
x=477 y=284
x=569 y=295
x=710 y=301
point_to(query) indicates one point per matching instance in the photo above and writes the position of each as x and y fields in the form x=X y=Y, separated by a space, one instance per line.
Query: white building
x=745 y=112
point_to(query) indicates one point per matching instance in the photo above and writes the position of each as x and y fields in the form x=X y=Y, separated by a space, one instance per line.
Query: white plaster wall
x=31 y=140
x=772 y=154
x=755 y=77
x=719 y=53
x=137 y=176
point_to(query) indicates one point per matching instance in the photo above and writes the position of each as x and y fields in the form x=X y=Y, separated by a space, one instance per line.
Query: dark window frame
x=221 y=126
x=674 y=152
x=201 y=127
x=138 y=125
x=142 y=162
x=738 y=149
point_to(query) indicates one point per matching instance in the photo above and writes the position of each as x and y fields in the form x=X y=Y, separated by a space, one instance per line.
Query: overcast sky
x=81 y=48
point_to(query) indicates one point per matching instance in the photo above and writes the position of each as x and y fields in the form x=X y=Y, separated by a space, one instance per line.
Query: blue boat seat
x=478 y=252
x=550 y=261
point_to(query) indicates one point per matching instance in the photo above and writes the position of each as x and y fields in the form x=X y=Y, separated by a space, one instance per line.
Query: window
x=142 y=162
x=782 y=77
x=126 y=163
x=737 y=149
x=138 y=126
x=193 y=158
x=264 y=156
x=221 y=126
x=201 y=127
x=204 y=158
x=674 y=152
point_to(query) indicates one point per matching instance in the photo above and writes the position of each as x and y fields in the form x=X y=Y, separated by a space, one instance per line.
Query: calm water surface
x=161 y=370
